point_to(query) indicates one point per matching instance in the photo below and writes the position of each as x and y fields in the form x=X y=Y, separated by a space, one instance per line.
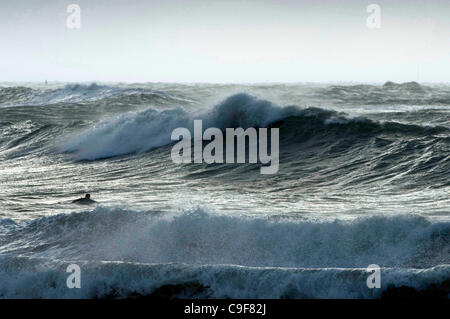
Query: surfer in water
x=85 y=200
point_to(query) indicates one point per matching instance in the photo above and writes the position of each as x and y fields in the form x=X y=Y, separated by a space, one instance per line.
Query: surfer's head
x=88 y=196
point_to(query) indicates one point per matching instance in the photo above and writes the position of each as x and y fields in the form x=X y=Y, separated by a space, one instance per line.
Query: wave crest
x=141 y=131
x=198 y=237
x=24 y=277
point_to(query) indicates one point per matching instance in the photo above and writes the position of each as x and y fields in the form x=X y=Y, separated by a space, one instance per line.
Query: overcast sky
x=225 y=41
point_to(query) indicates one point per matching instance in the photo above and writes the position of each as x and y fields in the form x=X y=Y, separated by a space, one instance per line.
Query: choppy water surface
x=364 y=179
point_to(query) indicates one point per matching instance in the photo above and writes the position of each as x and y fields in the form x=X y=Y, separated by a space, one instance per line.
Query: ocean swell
x=140 y=131
x=196 y=254
x=83 y=93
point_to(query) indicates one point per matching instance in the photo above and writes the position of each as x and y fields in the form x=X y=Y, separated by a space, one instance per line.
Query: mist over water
x=363 y=178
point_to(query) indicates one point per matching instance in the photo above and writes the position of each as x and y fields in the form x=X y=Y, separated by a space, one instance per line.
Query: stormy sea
x=363 y=179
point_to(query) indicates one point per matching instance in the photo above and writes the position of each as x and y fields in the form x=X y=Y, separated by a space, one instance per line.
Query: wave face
x=144 y=130
x=198 y=237
x=390 y=93
x=308 y=137
x=284 y=253
x=363 y=179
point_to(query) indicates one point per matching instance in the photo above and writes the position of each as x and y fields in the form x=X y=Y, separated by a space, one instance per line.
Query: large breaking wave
x=198 y=237
x=136 y=132
x=219 y=256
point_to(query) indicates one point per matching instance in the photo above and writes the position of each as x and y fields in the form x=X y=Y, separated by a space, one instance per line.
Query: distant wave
x=15 y=95
x=83 y=93
x=409 y=93
x=136 y=132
